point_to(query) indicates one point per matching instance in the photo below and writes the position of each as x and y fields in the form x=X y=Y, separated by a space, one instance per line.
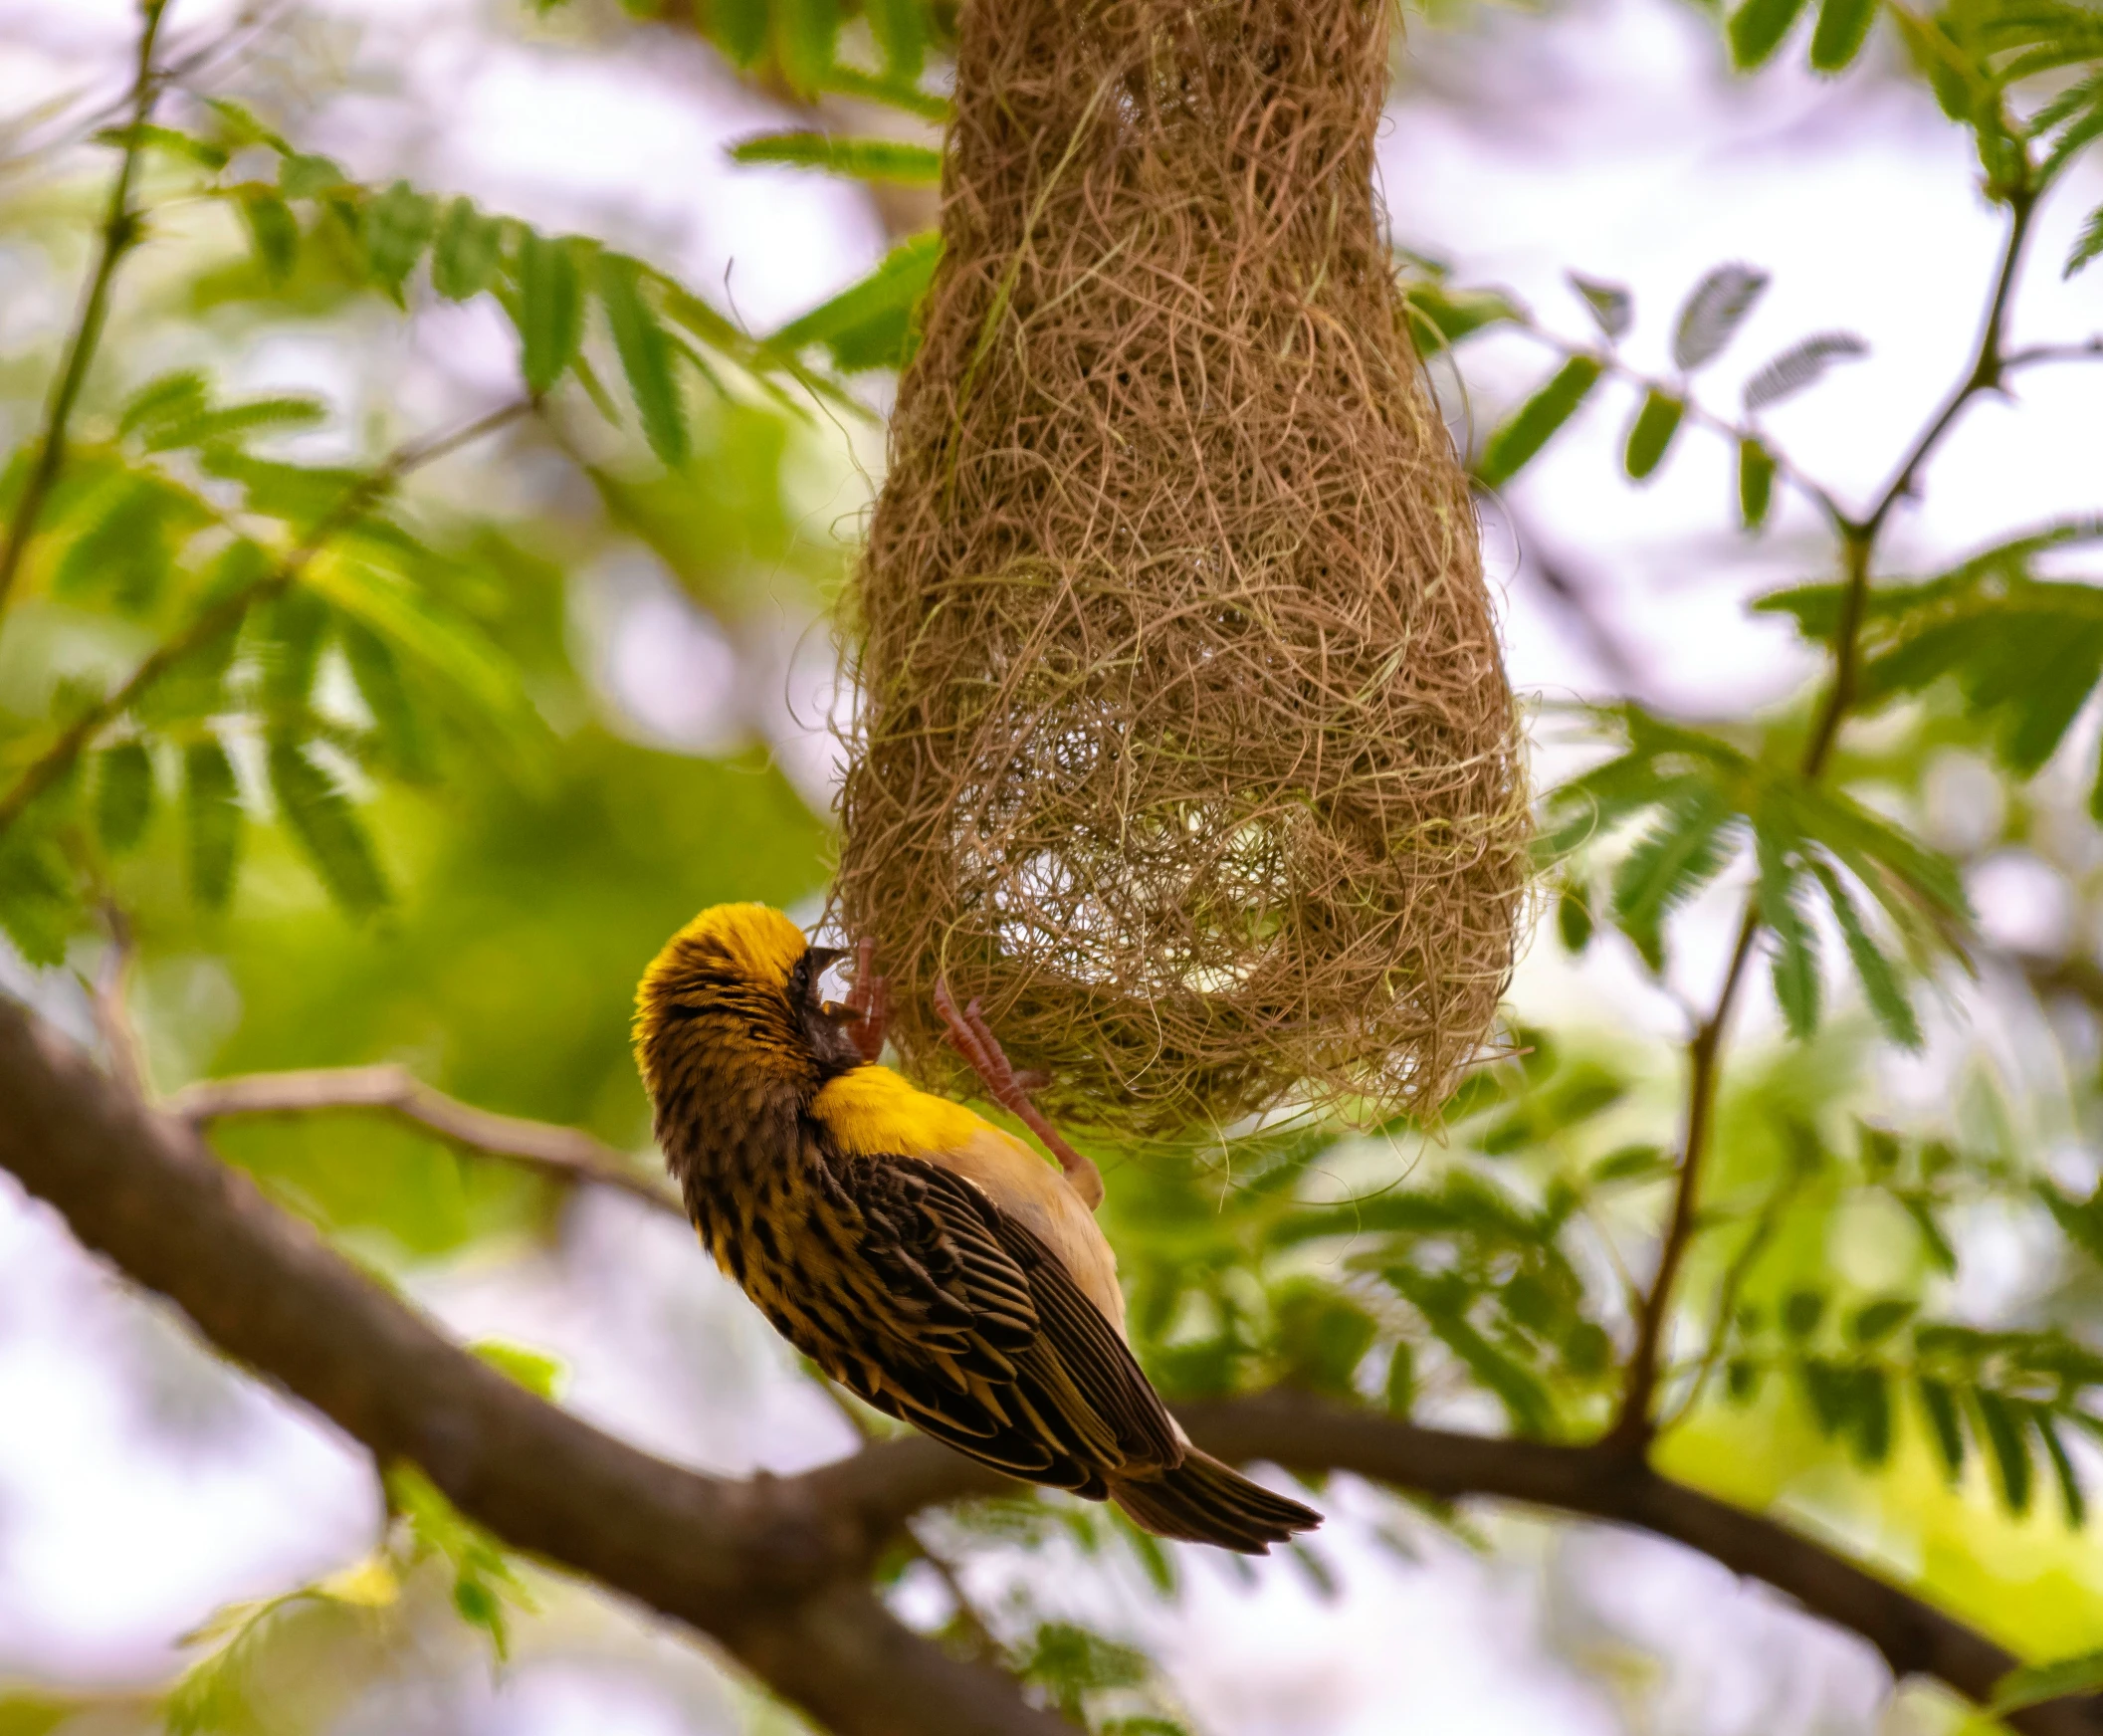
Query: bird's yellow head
x=738 y=990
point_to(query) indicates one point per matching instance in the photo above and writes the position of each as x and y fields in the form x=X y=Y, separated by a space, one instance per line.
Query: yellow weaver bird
x=932 y=1264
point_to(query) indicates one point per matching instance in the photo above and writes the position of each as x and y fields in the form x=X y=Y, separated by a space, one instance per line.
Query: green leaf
x=1442 y=316
x=398 y=226
x=1870 y=1417
x=123 y=795
x=1843 y=26
x=293 y=628
x=1803 y=363
x=551 y=315
x=1651 y=433
x=1717 y=306
x=539 y=1373
x=415 y=623
x=328 y=828
x=739 y=29
x=1881 y=987
x=1878 y=1320
x=647 y=356
x=1684 y=850
x=1535 y=422
x=861 y=159
x=1802 y=1309
x=1755 y=482
x=869 y=323
x=39 y=907
x=380 y=682
x=169 y=397
x=1945 y=1425
x=887 y=92
x=1612 y=306
x=1574 y=919
x=232 y=423
x=2071 y=1499
x=1795 y=963
x=899 y=34
x=212 y=806
x=148 y=136
x=804 y=35
x=1401 y=1380
x=2008 y=1445
x=2087 y=245
x=240 y=127
x=2034 y=1684
x=273 y=231
x=301 y=176
x=1757 y=27
x=467 y=253
x=124 y=554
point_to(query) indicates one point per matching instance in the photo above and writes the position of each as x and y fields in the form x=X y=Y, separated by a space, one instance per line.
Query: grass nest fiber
x=1182 y=737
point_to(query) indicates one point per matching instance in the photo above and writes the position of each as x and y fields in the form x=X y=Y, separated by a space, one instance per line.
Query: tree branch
x=563 y=1154
x=770 y=1568
x=887 y=1482
x=120 y=233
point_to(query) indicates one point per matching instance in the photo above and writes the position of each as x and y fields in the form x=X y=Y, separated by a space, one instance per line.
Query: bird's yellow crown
x=747 y=950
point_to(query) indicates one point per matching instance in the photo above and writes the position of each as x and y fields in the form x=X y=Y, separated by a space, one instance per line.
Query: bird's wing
x=959 y=1318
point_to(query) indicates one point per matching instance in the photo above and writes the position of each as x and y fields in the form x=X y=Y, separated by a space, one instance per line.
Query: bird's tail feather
x=1204 y=1501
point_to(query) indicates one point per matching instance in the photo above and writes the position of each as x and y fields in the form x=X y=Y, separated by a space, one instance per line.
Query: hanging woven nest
x=1182 y=740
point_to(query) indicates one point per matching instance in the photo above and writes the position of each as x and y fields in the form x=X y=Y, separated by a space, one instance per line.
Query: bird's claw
x=869 y=999
x=973 y=1038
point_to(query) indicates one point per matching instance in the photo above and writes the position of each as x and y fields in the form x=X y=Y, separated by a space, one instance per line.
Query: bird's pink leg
x=870 y=999
x=974 y=1040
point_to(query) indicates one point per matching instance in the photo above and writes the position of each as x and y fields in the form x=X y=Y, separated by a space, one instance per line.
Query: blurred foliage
x=304 y=695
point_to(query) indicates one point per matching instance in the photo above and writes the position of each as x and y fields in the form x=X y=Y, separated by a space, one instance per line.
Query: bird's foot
x=973 y=1040
x=869 y=1000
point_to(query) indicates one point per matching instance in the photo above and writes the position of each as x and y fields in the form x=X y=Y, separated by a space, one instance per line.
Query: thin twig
x=226 y=614
x=120 y=232
x=564 y=1153
x=1634 y=1425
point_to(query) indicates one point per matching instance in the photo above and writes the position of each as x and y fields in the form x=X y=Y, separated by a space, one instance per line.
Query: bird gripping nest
x=1183 y=738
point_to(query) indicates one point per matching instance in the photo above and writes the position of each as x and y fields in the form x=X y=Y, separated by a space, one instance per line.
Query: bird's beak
x=823 y=959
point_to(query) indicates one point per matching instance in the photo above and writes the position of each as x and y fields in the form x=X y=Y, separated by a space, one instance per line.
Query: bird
x=926 y=1260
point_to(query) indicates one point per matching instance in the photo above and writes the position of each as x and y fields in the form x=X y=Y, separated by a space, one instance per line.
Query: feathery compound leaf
x=647 y=354
x=1843 y=26
x=231 y=423
x=1755 y=482
x=1800 y=365
x=212 y=808
x=1684 y=850
x=1714 y=312
x=2087 y=245
x=550 y=316
x=861 y=159
x=1535 y=422
x=467 y=253
x=1880 y=981
x=1651 y=434
x=1757 y=27
x=398 y=226
x=1612 y=306
x=1795 y=961
x=380 y=686
x=123 y=795
x=327 y=827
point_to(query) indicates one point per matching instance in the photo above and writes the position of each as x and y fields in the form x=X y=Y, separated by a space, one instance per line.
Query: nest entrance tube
x=1183 y=739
